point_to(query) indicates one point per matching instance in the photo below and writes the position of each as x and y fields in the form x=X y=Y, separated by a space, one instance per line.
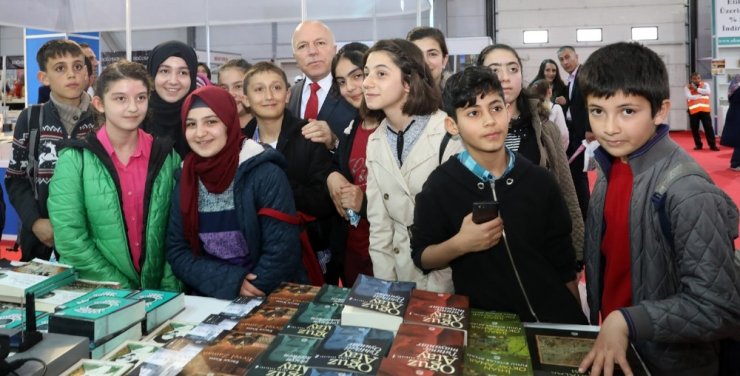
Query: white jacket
x=391 y=194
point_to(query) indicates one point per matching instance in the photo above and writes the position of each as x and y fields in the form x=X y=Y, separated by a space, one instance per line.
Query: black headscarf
x=164 y=118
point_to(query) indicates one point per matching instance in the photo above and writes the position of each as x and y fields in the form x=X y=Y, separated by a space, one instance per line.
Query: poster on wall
x=727 y=22
x=14 y=81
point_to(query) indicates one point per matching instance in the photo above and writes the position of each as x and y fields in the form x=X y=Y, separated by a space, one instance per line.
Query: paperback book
x=292 y=294
x=97 y=368
x=438 y=309
x=106 y=292
x=558 y=349
x=97 y=318
x=486 y=364
x=232 y=354
x=160 y=306
x=266 y=319
x=314 y=320
x=500 y=337
x=395 y=367
x=352 y=349
x=377 y=303
x=242 y=306
x=328 y=372
x=169 y=331
x=429 y=347
x=132 y=352
x=62 y=295
x=36 y=276
x=15 y=318
x=331 y=294
x=211 y=327
x=172 y=358
x=106 y=345
x=286 y=356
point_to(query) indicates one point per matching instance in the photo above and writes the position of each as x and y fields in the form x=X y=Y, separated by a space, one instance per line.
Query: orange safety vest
x=698 y=105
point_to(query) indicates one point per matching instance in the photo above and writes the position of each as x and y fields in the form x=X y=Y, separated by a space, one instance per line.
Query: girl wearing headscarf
x=173 y=66
x=217 y=244
x=731 y=131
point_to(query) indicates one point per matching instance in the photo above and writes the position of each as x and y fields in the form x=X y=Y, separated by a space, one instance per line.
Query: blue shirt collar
x=484 y=175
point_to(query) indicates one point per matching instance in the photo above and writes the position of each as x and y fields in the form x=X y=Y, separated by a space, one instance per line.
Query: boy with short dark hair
x=38 y=131
x=672 y=288
x=526 y=269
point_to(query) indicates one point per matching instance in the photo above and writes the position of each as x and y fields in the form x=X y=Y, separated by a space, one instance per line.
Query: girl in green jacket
x=110 y=201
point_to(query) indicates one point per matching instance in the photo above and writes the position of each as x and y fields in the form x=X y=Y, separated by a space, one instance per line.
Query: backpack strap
x=35 y=118
x=310 y=261
x=658 y=198
x=443 y=145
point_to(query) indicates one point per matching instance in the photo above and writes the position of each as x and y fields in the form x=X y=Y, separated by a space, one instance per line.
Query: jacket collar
x=644 y=157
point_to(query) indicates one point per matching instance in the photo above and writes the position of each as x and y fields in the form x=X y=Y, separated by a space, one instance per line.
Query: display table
x=197 y=308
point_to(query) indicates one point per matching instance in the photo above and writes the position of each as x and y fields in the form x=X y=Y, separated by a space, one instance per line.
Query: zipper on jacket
x=511 y=259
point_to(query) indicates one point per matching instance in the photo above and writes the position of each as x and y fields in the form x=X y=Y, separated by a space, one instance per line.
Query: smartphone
x=484 y=211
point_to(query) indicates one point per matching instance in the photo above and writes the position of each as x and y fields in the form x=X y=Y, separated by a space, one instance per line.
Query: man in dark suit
x=312 y=98
x=576 y=118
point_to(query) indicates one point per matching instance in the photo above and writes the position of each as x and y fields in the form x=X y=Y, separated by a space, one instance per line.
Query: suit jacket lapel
x=385 y=158
x=294 y=104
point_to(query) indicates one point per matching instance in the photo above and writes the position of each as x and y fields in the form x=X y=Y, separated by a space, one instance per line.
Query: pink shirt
x=132 y=177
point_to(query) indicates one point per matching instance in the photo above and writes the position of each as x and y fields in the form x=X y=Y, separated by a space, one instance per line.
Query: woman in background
x=731 y=131
x=549 y=71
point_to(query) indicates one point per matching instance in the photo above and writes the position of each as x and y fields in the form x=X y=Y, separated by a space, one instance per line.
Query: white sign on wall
x=727 y=22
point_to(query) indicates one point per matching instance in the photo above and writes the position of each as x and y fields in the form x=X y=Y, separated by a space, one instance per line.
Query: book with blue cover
x=352 y=349
x=377 y=303
x=314 y=320
x=98 y=318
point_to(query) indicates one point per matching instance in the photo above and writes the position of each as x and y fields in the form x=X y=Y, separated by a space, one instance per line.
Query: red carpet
x=716 y=163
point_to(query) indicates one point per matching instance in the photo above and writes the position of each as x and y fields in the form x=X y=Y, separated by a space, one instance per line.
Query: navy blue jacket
x=274 y=246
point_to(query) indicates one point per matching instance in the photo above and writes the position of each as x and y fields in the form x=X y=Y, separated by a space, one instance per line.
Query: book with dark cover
x=232 y=354
x=558 y=349
x=170 y=331
x=396 y=367
x=331 y=294
x=172 y=358
x=211 y=327
x=242 y=306
x=438 y=309
x=286 y=356
x=314 y=320
x=353 y=349
x=160 y=306
x=266 y=319
x=376 y=303
x=328 y=372
x=501 y=337
x=486 y=364
x=292 y=294
x=97 y=293
x=484 y=317
x=97 y=318
x=104 y=346
x=429 y=347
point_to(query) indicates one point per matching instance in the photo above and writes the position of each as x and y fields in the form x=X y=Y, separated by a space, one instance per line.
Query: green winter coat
x=85 y=210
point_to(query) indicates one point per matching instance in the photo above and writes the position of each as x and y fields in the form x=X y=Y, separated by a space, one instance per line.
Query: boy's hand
x=474 y=237
x=248 y=289
x=335 y=181
x=318 y=131
x=610 y=348
x=42 y=229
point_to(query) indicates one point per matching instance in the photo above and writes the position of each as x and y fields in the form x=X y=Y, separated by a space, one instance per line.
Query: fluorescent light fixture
x=588 y=35
x=535 y=36
x=645 y=33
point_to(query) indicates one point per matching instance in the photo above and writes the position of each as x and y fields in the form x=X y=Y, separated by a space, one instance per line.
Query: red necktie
x=312 y=106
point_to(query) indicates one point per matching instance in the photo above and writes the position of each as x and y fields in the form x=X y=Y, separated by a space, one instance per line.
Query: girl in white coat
x=401 y=153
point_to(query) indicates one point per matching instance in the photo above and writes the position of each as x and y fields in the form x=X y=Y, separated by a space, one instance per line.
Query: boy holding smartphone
x=526 y=266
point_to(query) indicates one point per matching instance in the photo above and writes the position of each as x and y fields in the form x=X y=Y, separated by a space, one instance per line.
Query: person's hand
x=335 y=181
x=42 y=229
x=318 y=131
x=352 y=197
x=474 y=237
x=561 y=100
x=610 y=348
x=248 y=289
x=590 y=136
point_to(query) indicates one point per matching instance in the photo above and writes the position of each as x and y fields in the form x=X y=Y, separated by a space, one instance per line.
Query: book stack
x=160 y=306
x=15 y=318
x=314 y=320
x=376 y=303
x=352 y=349
x=496 y=345
x=37 y=276
x=107 y=321
x=442 y=310
x=53 y=299
x=427 y=348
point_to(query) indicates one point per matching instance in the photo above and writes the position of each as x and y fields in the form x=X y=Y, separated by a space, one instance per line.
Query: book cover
x=292 y=294
x=331 y=294
x=286 y=356
x=97 y=293
x=97 y=318
x=559 y=349
x=501 y=337
x=481 y=316
x=52 y=299
x=170 y=331
x=314 y=320
x=429 y=347
x=232 y=354
x=328 y=372
x=486 y=364
x=172 y=357
x=15 y=318
x=242 y=306
x=160 y=306
x=353 y=349
x=439 y=309
x=211 y=327
x=97 y=368
x=104 y=346
x=374 y=294
x=54 y=275
x=395 y=367
x=132 y=352
x=266 y=319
